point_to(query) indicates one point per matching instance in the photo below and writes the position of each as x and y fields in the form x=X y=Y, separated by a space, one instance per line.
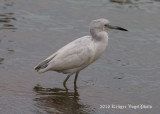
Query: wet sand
x=127 y=73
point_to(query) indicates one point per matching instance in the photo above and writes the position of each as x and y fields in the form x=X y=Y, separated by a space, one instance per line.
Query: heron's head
x=100 y=25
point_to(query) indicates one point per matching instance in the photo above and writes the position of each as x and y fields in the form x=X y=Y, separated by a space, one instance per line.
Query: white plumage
x=79 y=53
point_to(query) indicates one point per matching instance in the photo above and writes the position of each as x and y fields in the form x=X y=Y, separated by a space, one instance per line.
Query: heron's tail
x=42 y=66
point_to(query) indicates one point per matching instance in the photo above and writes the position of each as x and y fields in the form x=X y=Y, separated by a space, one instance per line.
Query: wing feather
x=73 y=58
x=73 y=55
x=44 y=63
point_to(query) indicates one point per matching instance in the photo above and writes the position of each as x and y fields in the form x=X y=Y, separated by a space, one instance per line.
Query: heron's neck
x=99 y=35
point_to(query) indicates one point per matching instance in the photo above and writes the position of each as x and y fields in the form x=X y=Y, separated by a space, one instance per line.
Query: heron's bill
x=117 y=28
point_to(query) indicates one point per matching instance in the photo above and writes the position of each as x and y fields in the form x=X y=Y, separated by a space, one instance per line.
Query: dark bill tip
x=122 y=29
x=116 y=27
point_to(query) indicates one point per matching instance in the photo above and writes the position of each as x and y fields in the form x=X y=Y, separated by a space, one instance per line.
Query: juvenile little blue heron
x=80 y=53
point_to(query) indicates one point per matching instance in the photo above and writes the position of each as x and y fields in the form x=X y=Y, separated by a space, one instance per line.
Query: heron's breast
x=99 y=49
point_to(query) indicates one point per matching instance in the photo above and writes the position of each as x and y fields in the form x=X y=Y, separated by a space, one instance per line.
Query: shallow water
x=127 y=73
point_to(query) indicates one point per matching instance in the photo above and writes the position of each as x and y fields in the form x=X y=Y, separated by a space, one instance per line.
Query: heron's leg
x=64 y=83
x=75 y=80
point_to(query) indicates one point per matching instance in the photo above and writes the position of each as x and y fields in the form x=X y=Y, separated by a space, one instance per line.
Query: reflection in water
x=53 y=100
x=6 y=19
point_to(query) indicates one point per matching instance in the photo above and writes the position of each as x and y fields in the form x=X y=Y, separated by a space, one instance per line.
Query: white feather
x=78 y=54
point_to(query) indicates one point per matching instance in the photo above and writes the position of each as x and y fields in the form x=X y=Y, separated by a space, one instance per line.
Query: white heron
x=80 y=53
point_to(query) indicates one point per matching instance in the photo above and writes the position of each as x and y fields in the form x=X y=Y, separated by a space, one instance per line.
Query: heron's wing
x=72 y=55
x=44 y=63
x=70 y=58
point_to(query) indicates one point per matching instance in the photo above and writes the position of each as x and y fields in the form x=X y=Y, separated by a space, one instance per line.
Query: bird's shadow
x=57 y=100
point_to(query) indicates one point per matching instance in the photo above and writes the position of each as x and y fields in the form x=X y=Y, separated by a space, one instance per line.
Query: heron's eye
x=106 y=25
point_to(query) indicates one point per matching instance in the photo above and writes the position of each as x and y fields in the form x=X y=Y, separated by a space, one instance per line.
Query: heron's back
x=70 y=58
